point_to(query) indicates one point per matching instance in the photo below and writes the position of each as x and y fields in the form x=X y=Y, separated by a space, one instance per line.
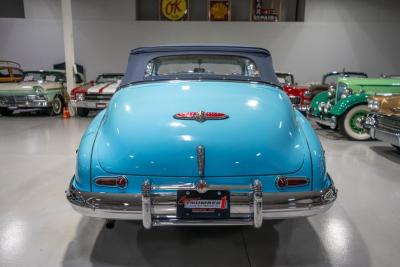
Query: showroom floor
x=38 y=227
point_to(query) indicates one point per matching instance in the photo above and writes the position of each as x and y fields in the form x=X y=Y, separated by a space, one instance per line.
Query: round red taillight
x=281 y=182
x=121 y=182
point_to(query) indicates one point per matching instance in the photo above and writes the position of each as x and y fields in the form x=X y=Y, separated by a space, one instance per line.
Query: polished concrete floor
x=38 y=227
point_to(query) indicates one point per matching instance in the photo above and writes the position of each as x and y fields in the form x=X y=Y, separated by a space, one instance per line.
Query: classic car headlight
x=321 y=106
x=327 y=107
x=307 y=93
x=331 y=91
x=80 y=96
x=373 y=104
x=346 y=92
x=324 y=107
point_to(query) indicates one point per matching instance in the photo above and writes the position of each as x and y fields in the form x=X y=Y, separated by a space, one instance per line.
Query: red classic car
x=299 y=95
x=95 y=95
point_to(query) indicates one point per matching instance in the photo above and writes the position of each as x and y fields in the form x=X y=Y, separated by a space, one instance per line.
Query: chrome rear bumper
x=156 y=205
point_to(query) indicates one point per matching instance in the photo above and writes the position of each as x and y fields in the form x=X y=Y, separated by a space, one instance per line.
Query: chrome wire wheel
x=352 y=123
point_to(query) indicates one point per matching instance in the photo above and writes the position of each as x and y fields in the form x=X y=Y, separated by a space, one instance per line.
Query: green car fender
x=346 y=103
x=321 y=97
x=51 y=93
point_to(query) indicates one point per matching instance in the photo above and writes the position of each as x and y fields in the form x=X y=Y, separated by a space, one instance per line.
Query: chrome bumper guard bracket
x=156 y=204
x=327 y=121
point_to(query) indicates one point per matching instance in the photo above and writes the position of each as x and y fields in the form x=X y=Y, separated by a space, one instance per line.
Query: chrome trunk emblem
x=201 y=116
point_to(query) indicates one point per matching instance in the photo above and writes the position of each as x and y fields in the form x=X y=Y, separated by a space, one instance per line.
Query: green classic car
x=346 y=106
x=43 y=90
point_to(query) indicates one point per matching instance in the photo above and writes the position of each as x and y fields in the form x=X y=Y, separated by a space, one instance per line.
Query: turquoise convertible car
x=200 y=135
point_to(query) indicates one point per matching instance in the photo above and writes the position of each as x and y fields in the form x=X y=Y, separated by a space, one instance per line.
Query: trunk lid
x=140 y=136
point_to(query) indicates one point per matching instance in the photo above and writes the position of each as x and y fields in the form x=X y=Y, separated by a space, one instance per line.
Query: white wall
x=357 y=35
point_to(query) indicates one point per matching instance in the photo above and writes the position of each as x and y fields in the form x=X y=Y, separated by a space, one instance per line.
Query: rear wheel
x=82 y=112
x=6 y=111
x=351 y=123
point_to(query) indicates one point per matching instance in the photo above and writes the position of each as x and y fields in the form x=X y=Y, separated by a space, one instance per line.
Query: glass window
x=33 y=76
x=42 y=76
x=17 y=73
x=202 y=65
x=4 y=73
x=105 y=78
x=78 y=79
x=285 y=78
x=332 y=79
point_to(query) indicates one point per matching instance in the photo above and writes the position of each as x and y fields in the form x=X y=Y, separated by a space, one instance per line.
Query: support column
x=68 y=43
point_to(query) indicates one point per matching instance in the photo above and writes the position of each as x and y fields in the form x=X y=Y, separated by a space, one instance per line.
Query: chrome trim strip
x=89 y=104
x=200 y=159
x=159 y=208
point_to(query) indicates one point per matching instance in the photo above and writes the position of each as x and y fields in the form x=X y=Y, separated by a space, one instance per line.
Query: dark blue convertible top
x=140 y=57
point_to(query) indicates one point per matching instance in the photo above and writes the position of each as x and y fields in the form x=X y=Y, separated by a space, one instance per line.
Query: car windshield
x=285 y=78
x=105 y=78
x=202 y=65
x=332 y=78
x=43 y=76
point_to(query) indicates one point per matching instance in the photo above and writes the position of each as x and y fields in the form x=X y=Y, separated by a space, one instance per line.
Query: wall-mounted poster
x=261 y=13
x=174 y=9
x=219 y=10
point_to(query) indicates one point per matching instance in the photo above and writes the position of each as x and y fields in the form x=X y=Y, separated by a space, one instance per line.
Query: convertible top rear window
x=218 y=65
x=199 y=62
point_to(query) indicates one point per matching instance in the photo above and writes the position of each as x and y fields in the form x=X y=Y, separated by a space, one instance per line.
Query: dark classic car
x=299 y=95
x=200 y=135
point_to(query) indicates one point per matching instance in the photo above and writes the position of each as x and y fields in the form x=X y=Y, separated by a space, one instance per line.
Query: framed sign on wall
x=219 y=10
x=174 y=10
x=263 y=13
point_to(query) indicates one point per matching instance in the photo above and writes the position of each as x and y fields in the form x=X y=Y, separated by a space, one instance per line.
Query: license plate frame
x=213 y=204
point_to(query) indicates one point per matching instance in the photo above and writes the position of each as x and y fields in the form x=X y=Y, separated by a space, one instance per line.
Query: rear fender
x=345 y=104
x=84 y=154
x=317 y=153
